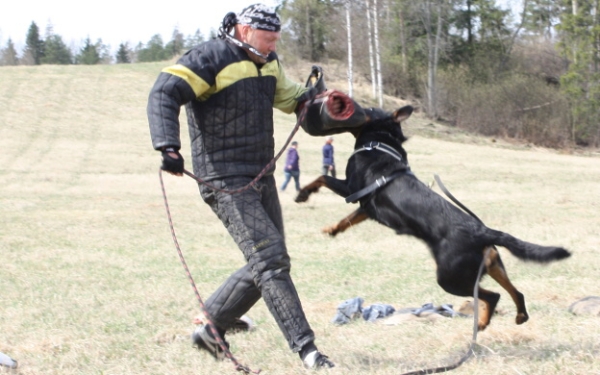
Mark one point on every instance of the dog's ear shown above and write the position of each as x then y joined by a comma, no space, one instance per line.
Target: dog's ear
403,113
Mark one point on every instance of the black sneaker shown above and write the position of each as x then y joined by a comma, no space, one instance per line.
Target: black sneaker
316,360
203,340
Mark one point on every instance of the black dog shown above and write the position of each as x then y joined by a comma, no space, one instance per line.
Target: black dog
378,176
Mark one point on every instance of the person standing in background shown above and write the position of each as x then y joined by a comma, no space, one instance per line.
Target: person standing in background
328,162
292,167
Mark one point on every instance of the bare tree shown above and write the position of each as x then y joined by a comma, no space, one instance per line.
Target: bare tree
432,19
370,42
348,5
377,54
8,55
403,53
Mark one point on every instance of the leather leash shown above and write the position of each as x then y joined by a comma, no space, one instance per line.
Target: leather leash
470,351
211,326
262,172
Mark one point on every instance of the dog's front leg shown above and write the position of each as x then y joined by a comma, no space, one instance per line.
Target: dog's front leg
337,186
354,218
307,190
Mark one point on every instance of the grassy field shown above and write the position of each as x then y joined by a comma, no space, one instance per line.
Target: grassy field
90,281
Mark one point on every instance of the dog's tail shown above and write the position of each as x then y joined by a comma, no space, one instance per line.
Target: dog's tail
529,251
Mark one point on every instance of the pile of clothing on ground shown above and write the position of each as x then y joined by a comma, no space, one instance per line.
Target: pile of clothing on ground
352,309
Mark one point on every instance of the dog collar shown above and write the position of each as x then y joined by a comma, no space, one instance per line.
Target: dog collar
380,147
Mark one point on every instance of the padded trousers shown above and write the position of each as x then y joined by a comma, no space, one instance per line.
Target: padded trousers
253,219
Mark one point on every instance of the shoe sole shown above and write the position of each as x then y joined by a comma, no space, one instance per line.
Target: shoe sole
214,350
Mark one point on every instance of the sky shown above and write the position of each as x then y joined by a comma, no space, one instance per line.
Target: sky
114,21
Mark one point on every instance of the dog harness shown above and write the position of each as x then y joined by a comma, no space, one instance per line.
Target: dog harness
383,180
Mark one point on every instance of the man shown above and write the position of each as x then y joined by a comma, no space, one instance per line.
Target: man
292,167
230,86
328,163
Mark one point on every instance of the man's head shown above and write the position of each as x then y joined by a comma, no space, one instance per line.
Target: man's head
329,139
259,27
260,17
294,144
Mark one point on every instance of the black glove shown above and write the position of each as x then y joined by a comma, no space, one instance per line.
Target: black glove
171,164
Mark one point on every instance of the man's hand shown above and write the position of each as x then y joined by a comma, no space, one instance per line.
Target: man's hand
172,161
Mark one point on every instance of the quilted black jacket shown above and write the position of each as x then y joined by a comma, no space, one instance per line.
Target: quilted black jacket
229,103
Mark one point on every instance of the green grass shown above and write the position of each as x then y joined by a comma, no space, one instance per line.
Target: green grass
91,283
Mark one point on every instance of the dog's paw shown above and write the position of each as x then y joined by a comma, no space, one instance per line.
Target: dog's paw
521,318
303,195
332,230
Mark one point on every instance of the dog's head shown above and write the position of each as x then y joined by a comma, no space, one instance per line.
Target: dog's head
380,121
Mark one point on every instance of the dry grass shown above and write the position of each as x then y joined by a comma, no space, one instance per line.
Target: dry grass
91,283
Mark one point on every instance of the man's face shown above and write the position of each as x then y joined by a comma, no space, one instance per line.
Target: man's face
264,41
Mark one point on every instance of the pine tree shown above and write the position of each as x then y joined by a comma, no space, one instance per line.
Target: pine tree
541,16
56,52
123,54
34,48
310,26
88,55
8,55
154,51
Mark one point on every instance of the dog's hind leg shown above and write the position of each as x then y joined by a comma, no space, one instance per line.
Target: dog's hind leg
354,218
496,270
460,280
486,309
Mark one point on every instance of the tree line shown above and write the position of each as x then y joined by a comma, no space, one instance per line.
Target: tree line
51,49
530,72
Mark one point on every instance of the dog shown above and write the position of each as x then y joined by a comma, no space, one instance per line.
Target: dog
378,176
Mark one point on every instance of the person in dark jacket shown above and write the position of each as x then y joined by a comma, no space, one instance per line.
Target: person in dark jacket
328,162
292,167
229,87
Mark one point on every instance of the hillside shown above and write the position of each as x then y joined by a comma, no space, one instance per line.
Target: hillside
419,124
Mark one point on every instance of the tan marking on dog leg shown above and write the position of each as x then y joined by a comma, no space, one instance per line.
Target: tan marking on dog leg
488,300
496,270
354,218
309,189
484,314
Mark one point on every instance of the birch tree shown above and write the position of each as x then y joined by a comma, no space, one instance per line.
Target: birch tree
348,6
370,42
34,47
432,19
377,54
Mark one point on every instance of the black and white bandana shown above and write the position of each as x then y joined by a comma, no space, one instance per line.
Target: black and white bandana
261,17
